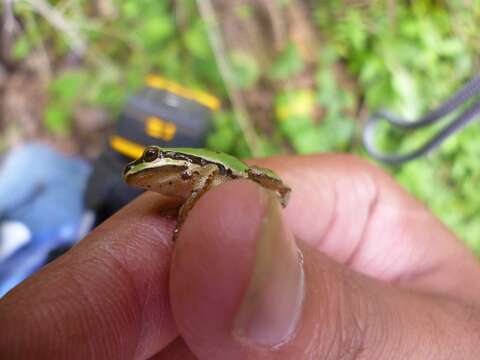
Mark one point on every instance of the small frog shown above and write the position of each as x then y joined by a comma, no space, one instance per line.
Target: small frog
188,173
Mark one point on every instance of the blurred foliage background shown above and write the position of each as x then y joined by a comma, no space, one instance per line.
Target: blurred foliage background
294,76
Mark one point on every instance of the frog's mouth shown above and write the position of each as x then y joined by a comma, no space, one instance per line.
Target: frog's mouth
166,180
151,175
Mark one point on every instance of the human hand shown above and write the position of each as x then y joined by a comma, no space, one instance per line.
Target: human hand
378,278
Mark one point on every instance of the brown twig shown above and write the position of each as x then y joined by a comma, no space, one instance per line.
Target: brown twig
239,108
57,20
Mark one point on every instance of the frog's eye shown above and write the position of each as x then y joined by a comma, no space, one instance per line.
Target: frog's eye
150,154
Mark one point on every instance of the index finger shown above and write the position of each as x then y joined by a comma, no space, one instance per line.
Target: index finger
106,298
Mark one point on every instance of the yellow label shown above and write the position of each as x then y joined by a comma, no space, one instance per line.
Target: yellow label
160,129
126,147
205,99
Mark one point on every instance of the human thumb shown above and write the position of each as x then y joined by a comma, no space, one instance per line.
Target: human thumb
241,288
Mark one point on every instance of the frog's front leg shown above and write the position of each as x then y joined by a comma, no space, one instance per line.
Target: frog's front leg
204,179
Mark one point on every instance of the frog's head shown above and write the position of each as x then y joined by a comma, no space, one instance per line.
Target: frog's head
147,159
156,170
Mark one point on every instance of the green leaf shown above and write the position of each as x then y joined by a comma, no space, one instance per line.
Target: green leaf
224,133
196,40
57,119
157,30
245,69
242,149
131,8
337,131
66,87
288,63
221,140
406,89
308,142
296,124
21,47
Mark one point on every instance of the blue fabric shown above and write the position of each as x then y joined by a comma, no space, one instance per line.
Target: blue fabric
44,190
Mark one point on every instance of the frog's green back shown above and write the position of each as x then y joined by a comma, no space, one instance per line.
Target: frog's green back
226,160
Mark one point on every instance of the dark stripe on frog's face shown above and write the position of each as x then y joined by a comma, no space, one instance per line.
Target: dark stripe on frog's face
149,154
152,153
132,164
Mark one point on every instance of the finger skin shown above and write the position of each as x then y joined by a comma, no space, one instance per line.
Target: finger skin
107,298
176,350
358,215
346,314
